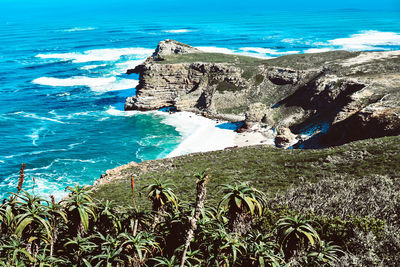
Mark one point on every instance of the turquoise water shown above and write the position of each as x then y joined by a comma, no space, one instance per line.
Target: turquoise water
62,81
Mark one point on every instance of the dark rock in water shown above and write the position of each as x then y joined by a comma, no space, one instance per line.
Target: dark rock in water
355,93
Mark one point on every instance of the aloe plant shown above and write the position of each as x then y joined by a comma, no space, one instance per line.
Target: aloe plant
294,233
244,202
326,253
80,208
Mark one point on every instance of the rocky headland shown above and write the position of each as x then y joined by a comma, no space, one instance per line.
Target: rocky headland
304,100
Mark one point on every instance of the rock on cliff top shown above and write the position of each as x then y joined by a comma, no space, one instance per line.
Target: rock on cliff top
171,47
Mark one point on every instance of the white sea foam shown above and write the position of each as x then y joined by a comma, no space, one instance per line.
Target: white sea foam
257,52
111,54
78,29
223,50
90,67
35,116
35,135
177,31
63,94
290,40
261,50
367,40
317,50
199,134
117,112
214,49
70,147
122,67
100,85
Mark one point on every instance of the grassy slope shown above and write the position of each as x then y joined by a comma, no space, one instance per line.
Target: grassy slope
269,169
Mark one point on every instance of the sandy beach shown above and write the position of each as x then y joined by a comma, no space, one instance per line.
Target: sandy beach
200,134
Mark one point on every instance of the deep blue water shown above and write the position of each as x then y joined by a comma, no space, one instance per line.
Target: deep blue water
62,81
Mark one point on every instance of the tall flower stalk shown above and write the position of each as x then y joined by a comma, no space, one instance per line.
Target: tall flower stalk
200,199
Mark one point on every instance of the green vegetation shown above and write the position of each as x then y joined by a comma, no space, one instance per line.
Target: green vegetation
234,110
81,232
227,86
269,169
259,78
298,61
211,58
336,206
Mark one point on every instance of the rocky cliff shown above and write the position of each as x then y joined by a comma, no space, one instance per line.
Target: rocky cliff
324,99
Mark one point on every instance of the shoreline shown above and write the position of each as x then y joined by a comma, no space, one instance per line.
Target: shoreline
210,134
199,134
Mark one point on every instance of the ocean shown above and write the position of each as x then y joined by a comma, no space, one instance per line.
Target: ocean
63,82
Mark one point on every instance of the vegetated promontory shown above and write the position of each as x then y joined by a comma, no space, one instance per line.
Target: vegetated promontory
324,99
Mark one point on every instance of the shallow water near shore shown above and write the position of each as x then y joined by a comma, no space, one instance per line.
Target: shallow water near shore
63,87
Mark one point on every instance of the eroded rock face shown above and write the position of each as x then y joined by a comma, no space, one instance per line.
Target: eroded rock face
331,98
376,120
188,87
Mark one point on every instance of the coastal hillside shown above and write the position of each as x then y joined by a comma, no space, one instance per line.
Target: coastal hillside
269,169
324,99
350,192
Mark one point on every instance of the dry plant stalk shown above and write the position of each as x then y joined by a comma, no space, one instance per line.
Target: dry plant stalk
200,198
21,178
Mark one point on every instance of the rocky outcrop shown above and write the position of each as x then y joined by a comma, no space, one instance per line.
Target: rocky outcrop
284,138
171,47
327,98
255,114
189,87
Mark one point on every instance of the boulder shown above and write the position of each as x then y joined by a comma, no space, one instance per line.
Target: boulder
255,113
171,47
284,138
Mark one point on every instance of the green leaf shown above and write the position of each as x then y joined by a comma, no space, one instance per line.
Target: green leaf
22,225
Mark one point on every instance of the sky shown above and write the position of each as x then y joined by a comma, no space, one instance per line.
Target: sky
35,10
203,5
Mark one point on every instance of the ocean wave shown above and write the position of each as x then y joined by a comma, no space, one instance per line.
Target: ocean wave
90,67
214,49
223,50
257,52
367,40
269,51
63,94
100,85
35,116
178,31
70,147
110,54
116,112
317,50
120,68
46,184
79,29
76,114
